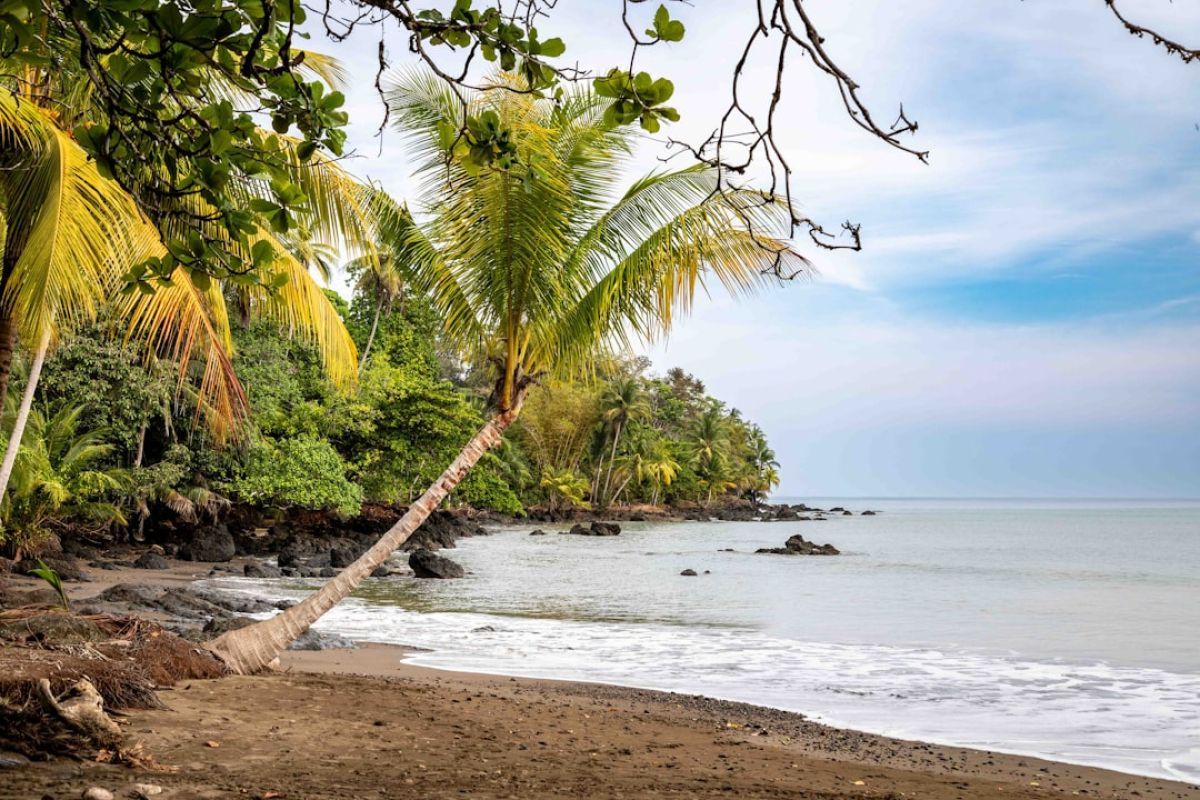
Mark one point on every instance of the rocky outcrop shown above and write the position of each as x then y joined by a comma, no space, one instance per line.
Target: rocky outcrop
596,529
798,545
209,543
427,564
688,573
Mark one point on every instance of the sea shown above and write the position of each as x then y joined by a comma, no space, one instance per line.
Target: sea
1065,629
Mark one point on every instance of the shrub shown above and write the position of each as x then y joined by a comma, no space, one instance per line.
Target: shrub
302,471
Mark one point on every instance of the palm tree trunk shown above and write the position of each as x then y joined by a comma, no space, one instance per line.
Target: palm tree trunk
18,431
362,360
253,648
612,459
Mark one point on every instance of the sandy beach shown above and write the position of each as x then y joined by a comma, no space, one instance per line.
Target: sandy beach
362,723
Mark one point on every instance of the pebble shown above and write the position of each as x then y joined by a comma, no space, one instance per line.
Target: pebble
146,790
96,793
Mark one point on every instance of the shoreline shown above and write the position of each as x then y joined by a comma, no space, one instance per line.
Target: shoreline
927,769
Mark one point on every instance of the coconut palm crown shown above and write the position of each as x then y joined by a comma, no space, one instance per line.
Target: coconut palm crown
540,266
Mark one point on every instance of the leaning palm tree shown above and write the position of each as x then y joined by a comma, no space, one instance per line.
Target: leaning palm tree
535,267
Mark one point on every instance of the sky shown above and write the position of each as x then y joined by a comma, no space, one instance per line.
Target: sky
1024,317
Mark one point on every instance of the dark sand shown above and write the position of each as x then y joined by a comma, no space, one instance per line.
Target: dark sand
360,723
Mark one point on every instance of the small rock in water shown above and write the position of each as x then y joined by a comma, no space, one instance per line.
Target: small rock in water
690,573
427,564
96,793
538,532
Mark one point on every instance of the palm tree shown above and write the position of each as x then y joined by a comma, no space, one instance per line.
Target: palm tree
69,234
38,107
763,462
710,441
385,272
563,488
532,267
623,401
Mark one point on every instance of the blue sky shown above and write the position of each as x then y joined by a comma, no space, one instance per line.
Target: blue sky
1025,316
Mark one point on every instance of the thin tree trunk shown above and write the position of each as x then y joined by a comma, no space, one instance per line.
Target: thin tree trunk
18,431
612,459
362,360
253,648
141,448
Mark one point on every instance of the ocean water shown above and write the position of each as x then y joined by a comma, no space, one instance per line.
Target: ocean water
1069,630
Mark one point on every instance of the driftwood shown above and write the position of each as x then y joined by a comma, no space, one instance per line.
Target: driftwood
82,708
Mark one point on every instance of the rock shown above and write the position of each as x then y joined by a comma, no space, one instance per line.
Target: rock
869,513
837,510
6,566
847,513
157,549
341,557
219,625
144,790
726,550
327,572
290,572
798,545
96,793
596,529
151,560
8,759
259,569
104,565
290,555
426,564
67,568
538,532
315,640
690,573
209,543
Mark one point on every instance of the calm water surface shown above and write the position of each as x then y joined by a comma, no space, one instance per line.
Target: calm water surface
1064,629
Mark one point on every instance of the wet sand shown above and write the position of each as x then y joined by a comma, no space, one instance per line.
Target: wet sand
349,724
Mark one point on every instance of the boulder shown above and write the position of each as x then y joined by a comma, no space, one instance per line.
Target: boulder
341,556
538,532
869,513
688,573
427,564
151,560
847,513
596,529
261,569
209,543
